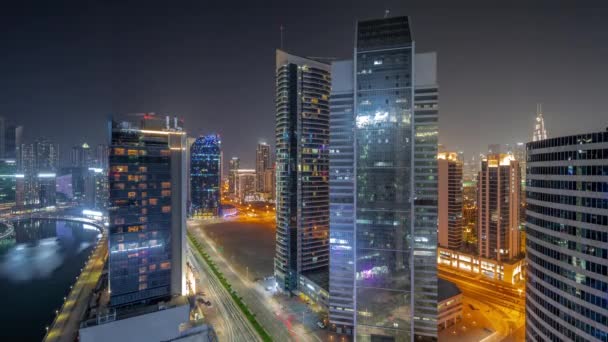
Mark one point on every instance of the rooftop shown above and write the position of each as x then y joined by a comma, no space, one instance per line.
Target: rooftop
446,290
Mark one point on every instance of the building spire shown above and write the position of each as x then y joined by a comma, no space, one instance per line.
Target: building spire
540,133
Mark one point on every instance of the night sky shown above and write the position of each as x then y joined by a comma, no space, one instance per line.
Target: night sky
67,67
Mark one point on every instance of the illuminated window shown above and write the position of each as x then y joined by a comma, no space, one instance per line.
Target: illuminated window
142,269
153,201
165,265
144,202
132,194
143,219
117,177
121,246
165,193
119,220
132,152
165,185
143,169
143,278
143,286
142,185
166,209
165,153
144,194
143,152
119,151
133,229
152,267
120,168
132,178
144,211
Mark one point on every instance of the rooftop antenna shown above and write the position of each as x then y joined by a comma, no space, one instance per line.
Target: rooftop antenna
386,13
282,28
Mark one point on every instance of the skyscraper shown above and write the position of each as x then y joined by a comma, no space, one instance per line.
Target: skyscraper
8,170
450,200
147,213
205,174
262,162
302,165
391,246
540,133
232,175
10,139
567,236
81,156
245,183
499,187
341,198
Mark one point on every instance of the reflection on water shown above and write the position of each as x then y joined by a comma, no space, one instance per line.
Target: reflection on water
37,268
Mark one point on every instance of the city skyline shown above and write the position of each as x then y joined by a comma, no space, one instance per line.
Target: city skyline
91,70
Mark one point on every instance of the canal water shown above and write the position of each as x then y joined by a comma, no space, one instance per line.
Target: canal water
38,264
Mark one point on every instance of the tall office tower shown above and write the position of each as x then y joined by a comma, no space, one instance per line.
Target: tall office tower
270,183
10,139
342,198
205,171
96,188
567,235
540,133
147,210
81,156
302,165
396,188
101,156
46,157
426,131
26,178
233,167
498,205
262,162
450,200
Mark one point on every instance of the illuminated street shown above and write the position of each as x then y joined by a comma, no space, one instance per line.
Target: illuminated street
280,316
500,303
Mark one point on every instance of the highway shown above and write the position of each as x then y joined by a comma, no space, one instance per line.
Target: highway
225,316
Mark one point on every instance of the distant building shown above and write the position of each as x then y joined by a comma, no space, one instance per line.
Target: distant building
499,188
567,238
205,176
81,156
234,165
263,161
147,210
101,157
8,183
540,132
449,303
509,271
302,169
245,183
96,188
450,200
10,139
270,183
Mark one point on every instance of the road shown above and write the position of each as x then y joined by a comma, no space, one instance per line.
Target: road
225,316
504,304
277,319
66,324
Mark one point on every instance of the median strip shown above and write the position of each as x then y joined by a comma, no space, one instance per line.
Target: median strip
238,300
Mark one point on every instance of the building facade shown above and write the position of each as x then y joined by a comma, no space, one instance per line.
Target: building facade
498,203
341,199
205,176
567,238
245,183
8,183
147,210
450,201
234,165
302,166
263,161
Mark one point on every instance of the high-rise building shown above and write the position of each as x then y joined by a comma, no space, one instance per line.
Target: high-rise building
101,156
96,188
450,200
10,139
567,238
81,156
302,165
393,234
263,161
540,132
270,183
147,210
8,185
205,176
498,205
26,178
234,165
342,198
47,157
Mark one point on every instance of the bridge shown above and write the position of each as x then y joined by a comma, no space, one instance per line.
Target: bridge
39,216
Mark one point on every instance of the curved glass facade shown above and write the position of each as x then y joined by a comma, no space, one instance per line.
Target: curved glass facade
205,173
567,238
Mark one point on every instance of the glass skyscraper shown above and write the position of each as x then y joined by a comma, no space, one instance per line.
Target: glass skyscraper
302,167
205,176
392,290
567,238
147,210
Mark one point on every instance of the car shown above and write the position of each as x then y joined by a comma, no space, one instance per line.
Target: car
321,325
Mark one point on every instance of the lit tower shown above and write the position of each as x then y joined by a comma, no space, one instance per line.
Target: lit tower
540,133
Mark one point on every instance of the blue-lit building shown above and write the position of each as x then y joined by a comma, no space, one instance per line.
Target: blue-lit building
567,238
205,176
147,210
383,193
8,170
